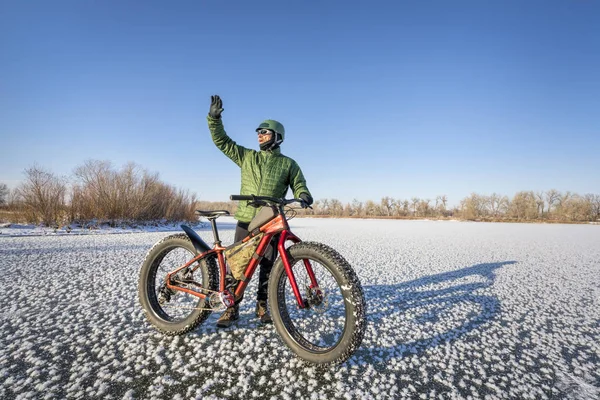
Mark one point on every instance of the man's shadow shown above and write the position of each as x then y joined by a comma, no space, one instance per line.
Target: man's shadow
411,317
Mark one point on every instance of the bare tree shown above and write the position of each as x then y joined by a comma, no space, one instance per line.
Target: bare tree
562,205
424,208
415,202
552,198
405,207
3,194
524,206
540,202
43,196
95,189
497,204
576,208
322,206
348,211
444,199
397,208
371,209
493,204
386,205
132,193
473,207
440,204
337,209
357,208
594,201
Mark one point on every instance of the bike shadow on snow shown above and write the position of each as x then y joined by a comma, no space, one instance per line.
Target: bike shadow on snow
410,317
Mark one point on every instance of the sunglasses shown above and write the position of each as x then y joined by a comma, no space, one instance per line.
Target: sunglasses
264,132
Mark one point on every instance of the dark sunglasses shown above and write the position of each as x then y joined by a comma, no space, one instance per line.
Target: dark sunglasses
264,132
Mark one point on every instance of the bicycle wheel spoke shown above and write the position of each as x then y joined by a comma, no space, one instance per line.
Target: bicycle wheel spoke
172,311
322,324
176,305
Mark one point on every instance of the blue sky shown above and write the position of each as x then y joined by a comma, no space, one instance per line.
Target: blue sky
401,98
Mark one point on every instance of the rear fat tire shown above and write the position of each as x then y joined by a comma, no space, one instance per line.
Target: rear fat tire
147,293
353,297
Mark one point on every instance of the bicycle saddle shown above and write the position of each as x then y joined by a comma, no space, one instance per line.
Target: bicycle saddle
214,213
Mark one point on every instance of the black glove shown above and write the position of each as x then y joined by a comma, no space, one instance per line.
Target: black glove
216,107
306,200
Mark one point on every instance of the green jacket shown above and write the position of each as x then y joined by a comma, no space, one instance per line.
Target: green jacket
264,173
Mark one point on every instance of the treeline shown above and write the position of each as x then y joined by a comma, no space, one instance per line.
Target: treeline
96,192
550,205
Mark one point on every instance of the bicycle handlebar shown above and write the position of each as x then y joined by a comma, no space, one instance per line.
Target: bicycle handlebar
273,200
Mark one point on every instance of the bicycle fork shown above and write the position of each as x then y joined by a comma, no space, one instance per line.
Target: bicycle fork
302,303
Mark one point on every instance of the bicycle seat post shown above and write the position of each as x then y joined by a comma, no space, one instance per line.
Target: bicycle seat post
213,223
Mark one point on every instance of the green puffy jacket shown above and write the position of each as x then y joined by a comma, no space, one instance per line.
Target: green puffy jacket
264,173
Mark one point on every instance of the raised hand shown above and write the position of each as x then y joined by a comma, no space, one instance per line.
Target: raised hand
216,107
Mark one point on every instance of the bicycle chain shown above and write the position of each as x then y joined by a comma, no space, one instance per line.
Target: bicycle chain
210,300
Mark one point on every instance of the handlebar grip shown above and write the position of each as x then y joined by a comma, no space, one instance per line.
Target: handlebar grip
236,197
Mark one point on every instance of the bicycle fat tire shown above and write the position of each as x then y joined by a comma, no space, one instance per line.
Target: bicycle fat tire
147,292
346,286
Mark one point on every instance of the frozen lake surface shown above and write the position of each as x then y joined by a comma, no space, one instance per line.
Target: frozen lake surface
455,310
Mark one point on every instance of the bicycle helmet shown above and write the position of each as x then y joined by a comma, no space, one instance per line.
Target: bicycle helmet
276,127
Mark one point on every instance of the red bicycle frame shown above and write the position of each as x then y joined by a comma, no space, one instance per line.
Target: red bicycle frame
278,225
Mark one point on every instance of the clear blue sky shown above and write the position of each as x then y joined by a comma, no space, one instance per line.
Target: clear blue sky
399,98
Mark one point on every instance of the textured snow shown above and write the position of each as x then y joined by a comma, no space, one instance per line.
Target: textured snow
11,230
455,310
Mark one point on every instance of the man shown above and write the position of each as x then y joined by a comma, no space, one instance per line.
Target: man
264,173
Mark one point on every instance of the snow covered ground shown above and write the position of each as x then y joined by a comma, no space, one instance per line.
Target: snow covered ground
455,310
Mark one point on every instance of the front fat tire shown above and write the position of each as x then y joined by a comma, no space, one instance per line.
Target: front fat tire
148,300
351,289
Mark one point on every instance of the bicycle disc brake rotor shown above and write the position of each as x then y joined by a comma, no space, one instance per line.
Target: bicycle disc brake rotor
317,299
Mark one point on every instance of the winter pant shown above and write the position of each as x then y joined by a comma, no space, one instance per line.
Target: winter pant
266,264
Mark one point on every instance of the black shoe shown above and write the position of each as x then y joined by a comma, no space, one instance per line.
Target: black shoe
227,318
262,312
